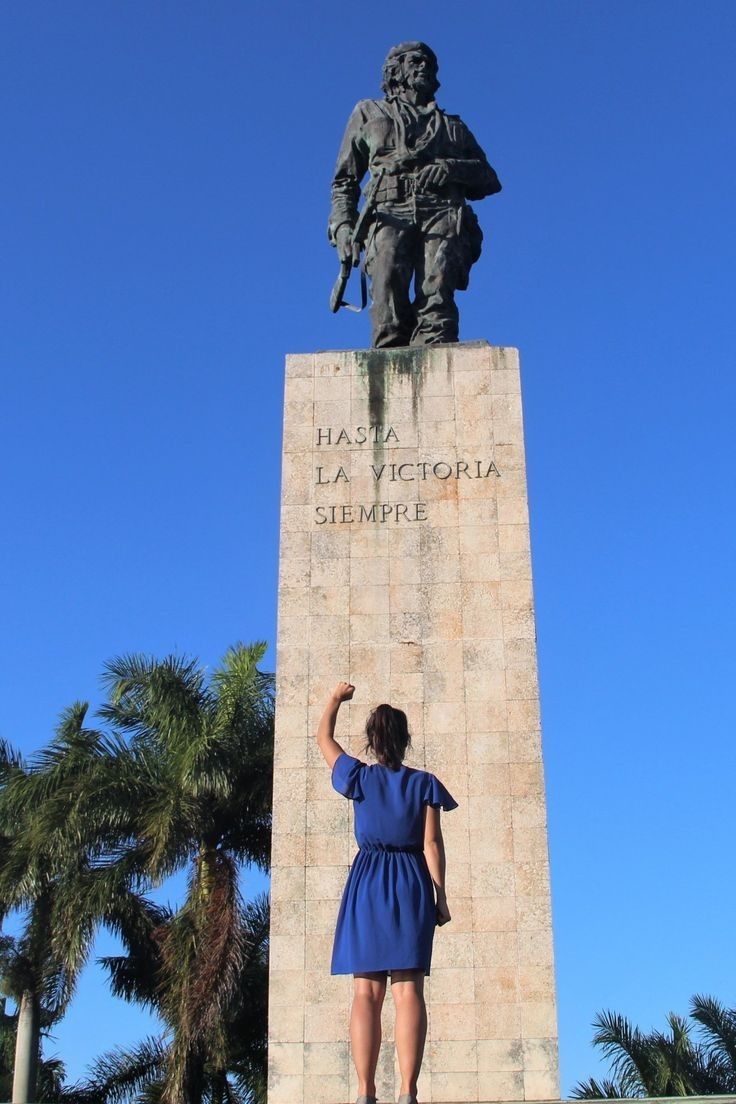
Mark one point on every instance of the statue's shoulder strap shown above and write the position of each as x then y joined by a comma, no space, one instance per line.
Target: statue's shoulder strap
459,130
455,121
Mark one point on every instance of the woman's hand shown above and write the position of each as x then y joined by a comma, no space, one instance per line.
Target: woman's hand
343,692
443,912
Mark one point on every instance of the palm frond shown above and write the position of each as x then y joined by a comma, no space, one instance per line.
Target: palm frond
597,1090
250,1082
122,1074
10,760
626,1049
718,1025
676,1058
162,700
257,922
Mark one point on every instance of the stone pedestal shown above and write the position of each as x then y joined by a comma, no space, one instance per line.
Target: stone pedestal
405,569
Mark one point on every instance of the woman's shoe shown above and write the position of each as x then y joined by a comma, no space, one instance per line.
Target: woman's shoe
366,1100
407,1098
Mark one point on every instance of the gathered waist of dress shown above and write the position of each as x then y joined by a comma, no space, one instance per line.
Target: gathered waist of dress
416,850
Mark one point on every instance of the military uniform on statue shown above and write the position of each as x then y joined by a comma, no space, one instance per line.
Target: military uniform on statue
424,166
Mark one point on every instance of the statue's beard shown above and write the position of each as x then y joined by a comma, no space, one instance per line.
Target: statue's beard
419,82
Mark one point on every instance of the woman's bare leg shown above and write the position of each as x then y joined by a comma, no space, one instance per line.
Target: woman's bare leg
365,1028
407,989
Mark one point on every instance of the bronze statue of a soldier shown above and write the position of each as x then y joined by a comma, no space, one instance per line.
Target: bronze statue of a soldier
415,222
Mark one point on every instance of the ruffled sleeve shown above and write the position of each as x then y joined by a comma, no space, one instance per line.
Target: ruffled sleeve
346,772
437,795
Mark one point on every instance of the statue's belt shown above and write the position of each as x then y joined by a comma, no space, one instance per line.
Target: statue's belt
397,189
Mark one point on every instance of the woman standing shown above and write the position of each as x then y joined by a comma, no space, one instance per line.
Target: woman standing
395,893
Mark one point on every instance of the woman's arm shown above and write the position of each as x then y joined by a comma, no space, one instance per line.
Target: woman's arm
326,741
434,853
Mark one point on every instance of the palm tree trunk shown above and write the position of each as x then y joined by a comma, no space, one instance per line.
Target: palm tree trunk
219,1083
194,1080
25,1073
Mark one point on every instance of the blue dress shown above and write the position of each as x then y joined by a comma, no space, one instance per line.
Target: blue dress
387,914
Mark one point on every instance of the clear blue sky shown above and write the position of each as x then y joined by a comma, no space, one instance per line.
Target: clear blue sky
164,190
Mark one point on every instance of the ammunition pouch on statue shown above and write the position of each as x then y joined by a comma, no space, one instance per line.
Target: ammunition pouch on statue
470,238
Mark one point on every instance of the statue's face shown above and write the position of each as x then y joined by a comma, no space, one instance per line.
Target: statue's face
419,72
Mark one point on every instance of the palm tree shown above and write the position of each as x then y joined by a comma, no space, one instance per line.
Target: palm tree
190,788
669,1063
139,1073
50,1072
39,983
182,782
7,1040
54,873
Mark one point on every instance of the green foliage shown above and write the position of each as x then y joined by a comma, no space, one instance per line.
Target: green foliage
236,1071
666,1063
180,779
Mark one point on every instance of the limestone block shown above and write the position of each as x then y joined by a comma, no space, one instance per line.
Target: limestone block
318,955
492,779
286,1058
500,1056
452,1022
462,913
286,1021
323,1088
532,913
485,748
540,1054
538,1019
287,916
506,1085
455,1086
287,951
284,1088
325,1023
453,984
287,883
536,983
325,883
494,913
497,1021
525,747
493,879
330,1058
496,984
491,844
541,1085
453,1057
286,986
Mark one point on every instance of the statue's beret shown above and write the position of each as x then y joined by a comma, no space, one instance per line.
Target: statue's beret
408,47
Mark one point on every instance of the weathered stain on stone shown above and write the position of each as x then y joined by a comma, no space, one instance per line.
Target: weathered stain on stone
378,365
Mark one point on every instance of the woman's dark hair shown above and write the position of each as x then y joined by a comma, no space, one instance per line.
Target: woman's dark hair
387,733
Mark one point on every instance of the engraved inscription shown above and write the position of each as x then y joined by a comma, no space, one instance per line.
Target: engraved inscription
389,471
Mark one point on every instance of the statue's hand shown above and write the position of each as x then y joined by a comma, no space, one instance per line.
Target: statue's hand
432,177
344,242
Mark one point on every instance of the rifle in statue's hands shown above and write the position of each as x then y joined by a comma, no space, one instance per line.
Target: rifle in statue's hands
352,260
